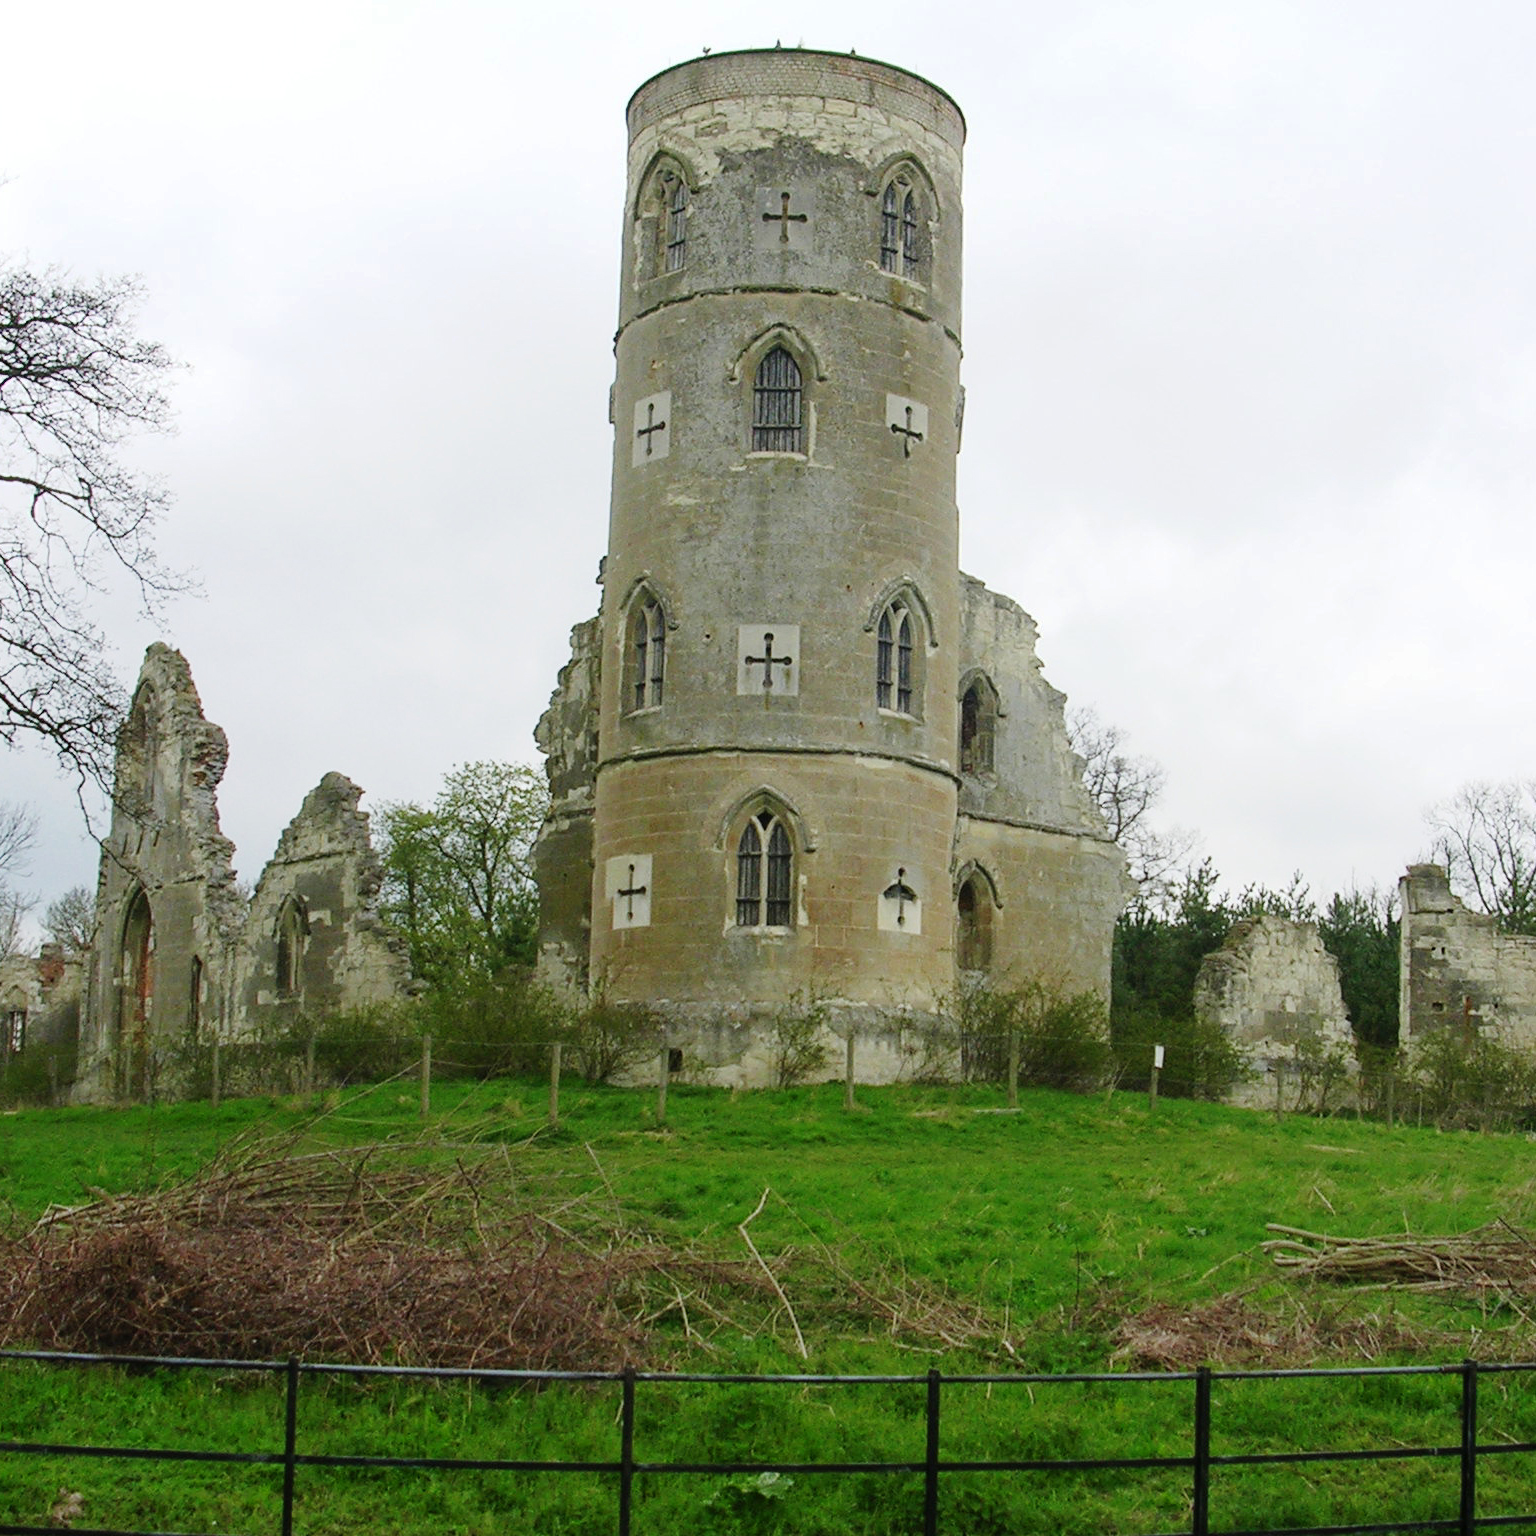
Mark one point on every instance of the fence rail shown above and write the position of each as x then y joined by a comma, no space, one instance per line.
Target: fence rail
626,1467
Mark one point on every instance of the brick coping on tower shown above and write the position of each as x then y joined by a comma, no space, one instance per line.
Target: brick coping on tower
790,72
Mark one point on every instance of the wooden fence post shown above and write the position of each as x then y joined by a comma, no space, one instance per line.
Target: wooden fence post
426,1076
53,1077
663,1072
213,1088
1157,1067
1013,1069
554,1086
848,1070
309,1061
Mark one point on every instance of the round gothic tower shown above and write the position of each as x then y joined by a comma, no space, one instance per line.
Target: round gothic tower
778,652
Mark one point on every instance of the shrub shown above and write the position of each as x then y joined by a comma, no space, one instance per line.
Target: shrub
1062,1038
608,1039
1472,1081
487,1026
1200,1061
367,1043
797,1047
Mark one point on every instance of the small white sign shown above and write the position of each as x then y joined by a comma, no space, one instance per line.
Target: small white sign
653,429
1157,1057
768,660
627,885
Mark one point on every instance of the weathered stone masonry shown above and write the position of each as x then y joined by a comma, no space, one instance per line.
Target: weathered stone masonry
797,753
180,956
1458,970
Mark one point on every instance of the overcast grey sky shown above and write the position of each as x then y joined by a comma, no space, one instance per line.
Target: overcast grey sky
1249,364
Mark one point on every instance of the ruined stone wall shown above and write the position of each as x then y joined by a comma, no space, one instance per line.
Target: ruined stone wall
1272,988
179,956
313,941
167,909
1054,881
562,855
1458,969
45,989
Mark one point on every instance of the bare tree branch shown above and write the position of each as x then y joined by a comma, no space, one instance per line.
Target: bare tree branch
1485,835
18,832
75,383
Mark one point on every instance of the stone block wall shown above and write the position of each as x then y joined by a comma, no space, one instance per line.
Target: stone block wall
1271,987
1458,970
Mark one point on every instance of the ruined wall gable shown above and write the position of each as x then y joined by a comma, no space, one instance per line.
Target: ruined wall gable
1036,778
1458,968
313,939
567,730
1272,987
167,874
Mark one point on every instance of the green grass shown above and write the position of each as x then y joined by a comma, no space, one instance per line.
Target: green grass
1060,1220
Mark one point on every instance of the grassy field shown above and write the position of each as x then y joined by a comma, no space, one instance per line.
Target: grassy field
1060,1225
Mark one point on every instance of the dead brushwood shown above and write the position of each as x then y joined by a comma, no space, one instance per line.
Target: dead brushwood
418,1253
1235,1331
1496,1258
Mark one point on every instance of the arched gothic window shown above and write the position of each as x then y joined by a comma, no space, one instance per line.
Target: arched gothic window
292,930
648,653
893,660
765,872
899,228
777,406
978,727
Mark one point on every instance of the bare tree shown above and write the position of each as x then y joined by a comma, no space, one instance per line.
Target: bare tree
18,831
1125,789
75,382
71,919
1485,835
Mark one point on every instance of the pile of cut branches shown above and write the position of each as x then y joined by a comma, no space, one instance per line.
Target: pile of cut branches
1496,1258
424,1254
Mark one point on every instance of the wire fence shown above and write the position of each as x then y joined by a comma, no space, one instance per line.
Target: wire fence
628,1470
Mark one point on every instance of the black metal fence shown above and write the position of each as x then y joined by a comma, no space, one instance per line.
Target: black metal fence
626,1468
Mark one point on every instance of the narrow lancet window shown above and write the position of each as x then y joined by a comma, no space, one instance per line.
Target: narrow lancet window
909,235
894,671
777,425
677,222
890,229
648,629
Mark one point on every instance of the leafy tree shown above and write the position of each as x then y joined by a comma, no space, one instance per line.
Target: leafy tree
458,876
1159,946
71,919
1485,835
75,382
1360,930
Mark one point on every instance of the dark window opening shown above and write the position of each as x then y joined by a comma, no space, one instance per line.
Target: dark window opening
973,927
777,425
893,660
978,728
649,636
675,190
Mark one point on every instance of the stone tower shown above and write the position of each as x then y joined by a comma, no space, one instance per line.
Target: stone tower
768,750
